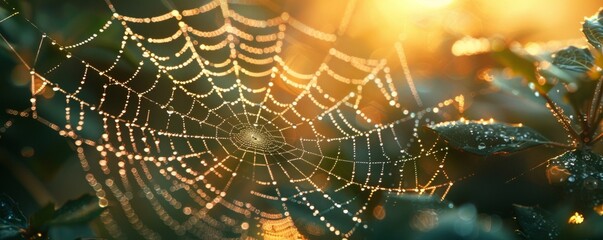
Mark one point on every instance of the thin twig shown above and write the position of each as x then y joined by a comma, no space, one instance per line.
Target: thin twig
597,138
567,125
556,144
598,120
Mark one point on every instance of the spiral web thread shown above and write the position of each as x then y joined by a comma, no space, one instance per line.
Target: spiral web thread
211,131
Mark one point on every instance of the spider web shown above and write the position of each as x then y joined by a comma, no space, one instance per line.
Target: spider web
208,123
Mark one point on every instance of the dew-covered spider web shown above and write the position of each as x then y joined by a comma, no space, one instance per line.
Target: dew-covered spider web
205,119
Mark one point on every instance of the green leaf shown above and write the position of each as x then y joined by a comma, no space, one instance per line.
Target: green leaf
486,138
574,59
521,65
593,30
535,223
584,178
10,214
8,231
81,210
573,65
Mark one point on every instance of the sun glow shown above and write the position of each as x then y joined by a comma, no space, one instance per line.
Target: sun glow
433,3
577,218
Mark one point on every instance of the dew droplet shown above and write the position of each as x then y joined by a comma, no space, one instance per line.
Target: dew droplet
481,146
170,110
571,179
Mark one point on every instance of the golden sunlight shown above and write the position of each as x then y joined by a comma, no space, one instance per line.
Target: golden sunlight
577,218
313,119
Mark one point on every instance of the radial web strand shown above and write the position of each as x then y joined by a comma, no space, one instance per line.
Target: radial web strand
201,120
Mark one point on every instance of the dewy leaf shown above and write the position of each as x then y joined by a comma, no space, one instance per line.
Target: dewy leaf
488,137
574,59
12,219
536,223
81,210
8,231
593,30
584,175
573,65
10,214
570,65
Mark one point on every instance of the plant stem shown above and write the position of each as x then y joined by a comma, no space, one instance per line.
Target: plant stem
597,138
561,145
560,117
593,117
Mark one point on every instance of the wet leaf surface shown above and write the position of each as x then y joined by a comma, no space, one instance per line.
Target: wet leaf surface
10,214
8,232
535,223
574,66
574,59
593,30
12,219
583,176
486,138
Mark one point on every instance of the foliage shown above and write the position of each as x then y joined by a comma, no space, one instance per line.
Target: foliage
578,170
14,225
12,220
535,223
485,138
